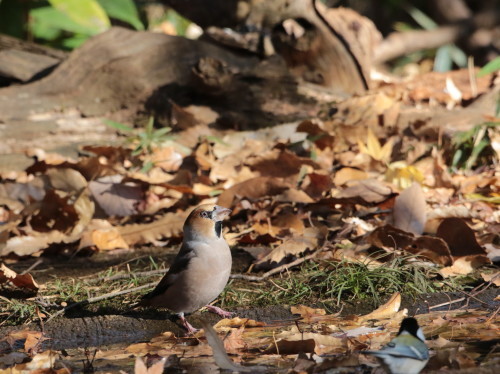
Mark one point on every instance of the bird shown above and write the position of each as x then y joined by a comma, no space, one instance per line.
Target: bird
407,353
201,269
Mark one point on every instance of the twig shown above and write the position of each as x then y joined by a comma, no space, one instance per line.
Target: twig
493,315
469,296
279,269
99,298
35,264
447,303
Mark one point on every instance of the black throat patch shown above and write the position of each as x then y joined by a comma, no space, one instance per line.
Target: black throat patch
218,228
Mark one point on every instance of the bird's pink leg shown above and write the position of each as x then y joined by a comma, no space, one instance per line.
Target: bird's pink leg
221,312
190,329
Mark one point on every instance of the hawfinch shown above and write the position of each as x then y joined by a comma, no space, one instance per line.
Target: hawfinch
407,352
200,270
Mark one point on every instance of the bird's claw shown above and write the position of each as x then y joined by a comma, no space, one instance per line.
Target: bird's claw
190,329
221,312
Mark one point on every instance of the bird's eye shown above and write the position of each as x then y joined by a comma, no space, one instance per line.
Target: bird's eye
204,214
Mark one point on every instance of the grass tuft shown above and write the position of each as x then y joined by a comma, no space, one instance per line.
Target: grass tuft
327,282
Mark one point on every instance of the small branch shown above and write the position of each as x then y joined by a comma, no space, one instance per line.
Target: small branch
102,297
279,269
35,264
447,303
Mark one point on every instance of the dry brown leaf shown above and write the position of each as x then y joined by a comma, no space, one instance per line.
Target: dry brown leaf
307,312
54,212
294,246
459,237
286,347
168,226
464,265
223,324
280,163
366,192
235,342
253,189
322,343
493,278
66,179
13,336
409,210
167,158
42,363
156,368
18,280
345,175
317,184
115,197
391,239
388,310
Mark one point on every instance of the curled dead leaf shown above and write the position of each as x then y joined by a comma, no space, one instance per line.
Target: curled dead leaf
388,310
18,280
237,322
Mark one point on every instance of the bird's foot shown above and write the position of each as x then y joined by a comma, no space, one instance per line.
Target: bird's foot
190,329
221,312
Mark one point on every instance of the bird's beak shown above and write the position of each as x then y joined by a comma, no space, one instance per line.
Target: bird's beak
220,213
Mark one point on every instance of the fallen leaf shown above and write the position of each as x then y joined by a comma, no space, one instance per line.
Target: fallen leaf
66,179
391,239
220,354
345,175
166,158
366,192
385,311
237,322
374,149
280,163
115,197
18,280
253,189
287,347
459,237
494,278
294,246
464,265
156,368
170,225
409,210
306,312
322,343
235,342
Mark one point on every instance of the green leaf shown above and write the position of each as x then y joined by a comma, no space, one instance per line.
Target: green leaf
423,20
86,13
490,67
123,10
47,23
118,125
161,132
443,61
75,41
458,56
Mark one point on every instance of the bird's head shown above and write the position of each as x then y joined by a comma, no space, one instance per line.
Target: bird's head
410,326
205,221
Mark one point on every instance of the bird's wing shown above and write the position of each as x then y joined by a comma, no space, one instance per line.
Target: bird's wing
179,265
416,350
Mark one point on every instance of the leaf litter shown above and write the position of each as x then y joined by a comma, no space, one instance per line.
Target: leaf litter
375,176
